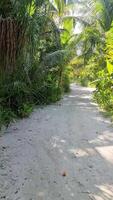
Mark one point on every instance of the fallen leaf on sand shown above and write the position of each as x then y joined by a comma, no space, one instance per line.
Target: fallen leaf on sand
64,173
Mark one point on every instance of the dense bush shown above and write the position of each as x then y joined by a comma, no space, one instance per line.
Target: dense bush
104,91
18,96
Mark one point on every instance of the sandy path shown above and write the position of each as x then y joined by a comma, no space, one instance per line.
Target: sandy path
70,136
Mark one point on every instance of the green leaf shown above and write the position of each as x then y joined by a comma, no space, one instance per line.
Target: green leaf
109,67
68,28
68,24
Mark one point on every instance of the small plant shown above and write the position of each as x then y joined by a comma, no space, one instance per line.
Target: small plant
6,116
25,110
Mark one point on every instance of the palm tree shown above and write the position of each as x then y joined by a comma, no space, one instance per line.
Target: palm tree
64,25
102,12
15,18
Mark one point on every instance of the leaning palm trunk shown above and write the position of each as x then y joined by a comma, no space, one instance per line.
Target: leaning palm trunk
11,41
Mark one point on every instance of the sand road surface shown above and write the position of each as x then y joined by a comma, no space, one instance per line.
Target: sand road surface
63,151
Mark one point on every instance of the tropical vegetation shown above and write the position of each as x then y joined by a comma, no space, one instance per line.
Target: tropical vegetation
41,52
95,64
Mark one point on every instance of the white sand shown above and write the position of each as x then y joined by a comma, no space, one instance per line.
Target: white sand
70,137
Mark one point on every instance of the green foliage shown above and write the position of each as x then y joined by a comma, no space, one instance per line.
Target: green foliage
18,94
104,84
104,11
25,110
47,50
104,90
66,83
6,116
37,78
97,52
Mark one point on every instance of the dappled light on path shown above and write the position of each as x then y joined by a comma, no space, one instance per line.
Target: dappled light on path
106,192
82,152
106,152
